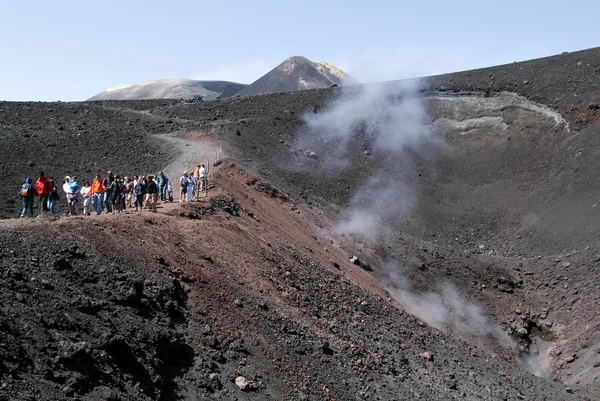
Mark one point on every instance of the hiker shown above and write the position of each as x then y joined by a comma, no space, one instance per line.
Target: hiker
183,181
107,185
115,190
162,181
151,194
129,192
28,193
85,195
170,191
190,187
123,189
97,192
138,194
43,187
53,197
203,178
67,190
73,196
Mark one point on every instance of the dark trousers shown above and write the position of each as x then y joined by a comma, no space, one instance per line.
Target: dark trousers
138,201
44,203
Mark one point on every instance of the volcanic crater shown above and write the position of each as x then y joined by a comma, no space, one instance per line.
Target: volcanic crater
432,239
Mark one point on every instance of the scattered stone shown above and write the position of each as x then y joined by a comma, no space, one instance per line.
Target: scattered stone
451,384
427,356
326,348
522,331
242,383
311,154
238,303
62,264
594,106
355,260
565,264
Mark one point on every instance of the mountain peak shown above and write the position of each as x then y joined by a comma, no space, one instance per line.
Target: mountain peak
297,73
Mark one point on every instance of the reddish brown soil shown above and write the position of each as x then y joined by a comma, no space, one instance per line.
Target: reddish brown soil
178,304
262,300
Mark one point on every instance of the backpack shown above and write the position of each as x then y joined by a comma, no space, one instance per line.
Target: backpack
184,182
54,195
25,190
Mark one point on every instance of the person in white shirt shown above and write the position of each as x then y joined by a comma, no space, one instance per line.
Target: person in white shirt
203,178
85,195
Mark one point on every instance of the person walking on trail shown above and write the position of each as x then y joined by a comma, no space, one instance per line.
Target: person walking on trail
115,189
53,197
43,186
73,196
151,194
190,187
97,193
28,194
85,195
203,178
67,190
129,192
138,194
108,194
162,182
183,182
170,191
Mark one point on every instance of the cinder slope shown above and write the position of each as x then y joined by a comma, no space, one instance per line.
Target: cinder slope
180,304
298,73
506,209
172,88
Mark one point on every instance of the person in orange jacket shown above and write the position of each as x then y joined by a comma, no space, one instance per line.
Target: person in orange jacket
97,192
43,187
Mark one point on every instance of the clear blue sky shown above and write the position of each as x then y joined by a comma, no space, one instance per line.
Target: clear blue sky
71,50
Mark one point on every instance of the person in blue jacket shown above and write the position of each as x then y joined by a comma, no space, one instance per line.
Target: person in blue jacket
28,193
72,196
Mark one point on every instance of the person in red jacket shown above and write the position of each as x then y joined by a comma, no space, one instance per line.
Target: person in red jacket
43,186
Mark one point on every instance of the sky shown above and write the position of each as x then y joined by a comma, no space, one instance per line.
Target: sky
71,50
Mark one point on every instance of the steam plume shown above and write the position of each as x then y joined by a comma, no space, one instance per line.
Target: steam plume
391,121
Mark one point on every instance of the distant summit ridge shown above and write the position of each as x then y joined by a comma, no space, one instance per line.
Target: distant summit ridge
297,73
172,88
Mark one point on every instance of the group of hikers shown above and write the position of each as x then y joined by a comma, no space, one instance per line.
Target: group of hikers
111,193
